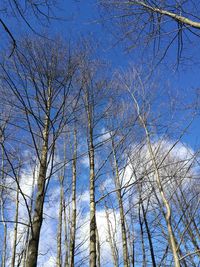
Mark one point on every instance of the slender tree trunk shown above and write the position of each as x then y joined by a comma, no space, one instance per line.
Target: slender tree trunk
4,248
32,252
148,234
92,202
110,238
73,222
121,209
164,257
171,235
131,233
149,237
167,206
28,230
131,246
93,256
59,232
144,263
98,249
15,229
66,237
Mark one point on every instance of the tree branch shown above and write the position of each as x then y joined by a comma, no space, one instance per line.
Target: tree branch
172,15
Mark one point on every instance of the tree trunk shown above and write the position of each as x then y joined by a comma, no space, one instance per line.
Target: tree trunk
148,233
121,209
93,255
59,232
167,206
3,260
3,256
32,252
66,237
171,236
144,263
110,238
149,236
28,230
131,245
73,222
98,249
92,205
15,229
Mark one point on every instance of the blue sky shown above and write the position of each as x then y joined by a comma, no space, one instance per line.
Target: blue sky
81,18
185,79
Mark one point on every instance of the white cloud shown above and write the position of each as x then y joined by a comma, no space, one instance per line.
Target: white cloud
51,262
141,163
85,196
104,135
83,234
85,161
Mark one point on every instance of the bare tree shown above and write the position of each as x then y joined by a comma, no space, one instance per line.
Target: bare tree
111,237
27,12
16,223
64,111
134,85
3,219
74,209
43,97
89,106
121,206
60,218
157,24
159,182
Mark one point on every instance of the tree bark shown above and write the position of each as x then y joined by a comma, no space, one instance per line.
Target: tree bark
144,262
28,230
171,236
59,232
110,238
98,249
32,252
93,256
175,17
92,202
15,229
73,222
3,256
66,236
121,208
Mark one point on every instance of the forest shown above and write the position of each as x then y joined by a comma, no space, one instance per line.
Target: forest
99,133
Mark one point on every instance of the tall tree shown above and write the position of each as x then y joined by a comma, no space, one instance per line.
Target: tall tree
40,79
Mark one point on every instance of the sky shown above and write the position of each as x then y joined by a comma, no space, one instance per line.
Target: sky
81,18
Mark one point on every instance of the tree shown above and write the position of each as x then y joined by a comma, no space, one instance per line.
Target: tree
137,89
94,168
74,203
27,12
121,206
94,94
40,79
160,22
